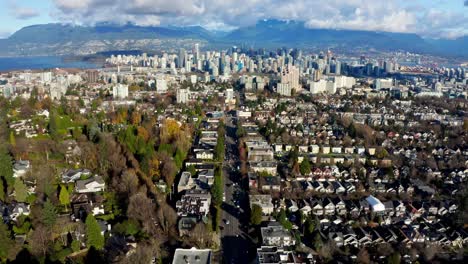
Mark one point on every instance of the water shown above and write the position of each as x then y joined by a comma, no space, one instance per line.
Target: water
44,62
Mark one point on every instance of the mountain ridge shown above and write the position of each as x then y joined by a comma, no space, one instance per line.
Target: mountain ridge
60,39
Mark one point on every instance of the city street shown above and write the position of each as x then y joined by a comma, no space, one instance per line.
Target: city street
235,243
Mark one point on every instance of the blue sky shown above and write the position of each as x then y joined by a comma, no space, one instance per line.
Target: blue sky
430,18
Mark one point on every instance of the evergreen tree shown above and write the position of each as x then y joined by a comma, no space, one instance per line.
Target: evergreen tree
93,233
21,191
53,130
49,214
305,166
5,241
6,167
2,190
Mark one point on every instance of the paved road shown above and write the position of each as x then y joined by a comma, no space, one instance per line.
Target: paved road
237,247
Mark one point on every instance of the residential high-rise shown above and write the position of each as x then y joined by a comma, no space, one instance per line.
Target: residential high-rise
92,76
120,91
290,75
229,95
161,85
182,96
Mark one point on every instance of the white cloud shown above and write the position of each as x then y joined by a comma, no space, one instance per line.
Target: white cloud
21,12
377,15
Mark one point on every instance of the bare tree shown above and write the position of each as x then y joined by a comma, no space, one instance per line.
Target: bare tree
142,209
167,217
39,240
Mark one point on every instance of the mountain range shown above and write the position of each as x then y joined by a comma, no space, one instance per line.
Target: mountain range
62,39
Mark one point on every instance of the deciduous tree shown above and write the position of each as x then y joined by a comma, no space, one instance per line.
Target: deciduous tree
256,215
21,191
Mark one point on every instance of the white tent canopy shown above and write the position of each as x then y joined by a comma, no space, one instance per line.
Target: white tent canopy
376,204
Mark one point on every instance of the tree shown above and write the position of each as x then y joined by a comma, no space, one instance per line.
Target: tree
39,240
21,191
169,170
318,243
154,165
256,215
394,258
5,241
142,209
305,166
6,166
53,129
75,245
12,139
49,214
64,197
310,225
93,233
2,190
283,220
363,256
217,189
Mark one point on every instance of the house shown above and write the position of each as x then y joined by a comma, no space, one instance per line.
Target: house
186,182
20,168
74,175
317,207
193,255
204,154
349,238
83,204
186,225
18,210
264,201
340,206
337,238
91,185
362,237
270,255
339,189
194,203
291,205
314,149
253,178
269,167
336,150
205,178
353,208
276,235
272,183
328,206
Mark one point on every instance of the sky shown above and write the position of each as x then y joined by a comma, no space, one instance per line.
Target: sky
428,18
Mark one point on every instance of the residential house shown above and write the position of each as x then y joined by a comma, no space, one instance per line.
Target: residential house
264,201
91,185
276,235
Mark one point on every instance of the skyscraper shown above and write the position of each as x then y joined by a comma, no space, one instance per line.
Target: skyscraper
196,52
181,58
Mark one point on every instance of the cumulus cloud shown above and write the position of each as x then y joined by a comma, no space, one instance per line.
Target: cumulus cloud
25,13
377,15
20,12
